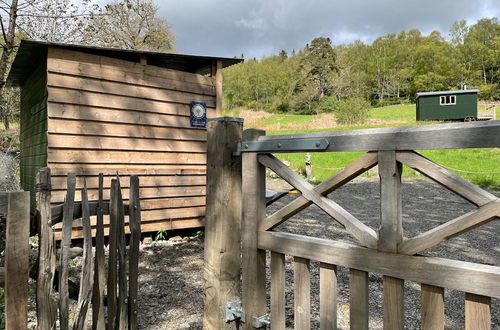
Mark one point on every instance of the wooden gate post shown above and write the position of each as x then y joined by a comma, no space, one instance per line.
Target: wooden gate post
17,260
254,211
391,234
222,221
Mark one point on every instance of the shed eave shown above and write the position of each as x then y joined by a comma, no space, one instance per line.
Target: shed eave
461,91
30,52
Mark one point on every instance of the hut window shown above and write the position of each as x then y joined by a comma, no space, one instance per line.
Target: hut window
448,100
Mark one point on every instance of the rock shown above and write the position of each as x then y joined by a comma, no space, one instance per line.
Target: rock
147,240
175,239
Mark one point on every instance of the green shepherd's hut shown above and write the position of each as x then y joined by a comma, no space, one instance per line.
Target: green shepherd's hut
447,105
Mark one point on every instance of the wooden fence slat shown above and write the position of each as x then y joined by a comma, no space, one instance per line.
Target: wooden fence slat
135,239
17,260
112,263
278,291
46,305
477,312
302,296
358,299
328,296
432,312
98,321
64,255
254,212
86,281
122,265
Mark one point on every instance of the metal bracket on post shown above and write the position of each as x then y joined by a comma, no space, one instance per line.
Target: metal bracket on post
261,321
290,145
234,312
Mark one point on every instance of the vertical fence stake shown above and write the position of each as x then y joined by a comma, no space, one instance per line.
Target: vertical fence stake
45,304
17,260
222,220
391,234
135,239
254,211
113,246
99,271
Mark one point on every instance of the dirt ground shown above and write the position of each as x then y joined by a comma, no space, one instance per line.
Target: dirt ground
171,272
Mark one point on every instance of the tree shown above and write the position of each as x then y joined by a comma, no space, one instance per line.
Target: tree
131,24
318,63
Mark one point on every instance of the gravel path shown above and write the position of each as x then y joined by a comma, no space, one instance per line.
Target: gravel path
171,273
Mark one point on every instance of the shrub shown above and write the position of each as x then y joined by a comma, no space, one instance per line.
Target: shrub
328,104
352,111
490,92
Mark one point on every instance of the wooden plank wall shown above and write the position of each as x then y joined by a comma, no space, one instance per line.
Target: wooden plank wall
109,115
33,132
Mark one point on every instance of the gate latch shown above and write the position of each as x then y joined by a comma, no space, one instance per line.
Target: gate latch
261,321
234,312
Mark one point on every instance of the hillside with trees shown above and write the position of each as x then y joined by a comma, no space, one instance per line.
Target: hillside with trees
322,76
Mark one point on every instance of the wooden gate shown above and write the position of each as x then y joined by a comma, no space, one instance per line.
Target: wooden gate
386,251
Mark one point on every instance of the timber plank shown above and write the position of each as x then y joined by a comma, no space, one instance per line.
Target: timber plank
278,290
17,260
358,299
328,296
441,272
98,321
83,127
135,238
143,170
57,56
64,255
114,214
71,141
46,306
86,281
127,157
122,265
482,134
117,88
477,312
432,311
302,295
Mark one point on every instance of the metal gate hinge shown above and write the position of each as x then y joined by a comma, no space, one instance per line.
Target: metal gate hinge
289,145
234,312
261,321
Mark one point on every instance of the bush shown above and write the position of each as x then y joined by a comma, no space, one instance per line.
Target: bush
328,104
490,92
352,111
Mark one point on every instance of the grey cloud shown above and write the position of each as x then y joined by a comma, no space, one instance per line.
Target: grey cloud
257,28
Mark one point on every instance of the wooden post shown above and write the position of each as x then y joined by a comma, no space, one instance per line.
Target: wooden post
254,212
358,299
222,221
217,74
432,310
302,293
135,239
99,270
278,291
113,248
17,260
477,312
391,234
68,211
328,296
45,304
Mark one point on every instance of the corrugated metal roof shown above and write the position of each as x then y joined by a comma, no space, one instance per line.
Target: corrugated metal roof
462,91
31,52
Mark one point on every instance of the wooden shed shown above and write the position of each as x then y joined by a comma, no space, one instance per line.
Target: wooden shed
447,105
89,110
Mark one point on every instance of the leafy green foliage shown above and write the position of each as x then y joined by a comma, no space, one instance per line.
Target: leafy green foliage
390,70
352,111
161,235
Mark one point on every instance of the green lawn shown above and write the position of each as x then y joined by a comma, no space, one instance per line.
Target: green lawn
481,161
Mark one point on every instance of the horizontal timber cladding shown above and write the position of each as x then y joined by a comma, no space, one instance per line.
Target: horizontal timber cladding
112,116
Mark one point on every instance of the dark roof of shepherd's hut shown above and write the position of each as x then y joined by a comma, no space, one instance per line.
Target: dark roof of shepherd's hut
30,52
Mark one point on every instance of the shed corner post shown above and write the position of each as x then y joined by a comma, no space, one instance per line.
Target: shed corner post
217,75
254,212
222,220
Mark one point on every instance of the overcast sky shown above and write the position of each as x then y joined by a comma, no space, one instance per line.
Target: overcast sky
262,27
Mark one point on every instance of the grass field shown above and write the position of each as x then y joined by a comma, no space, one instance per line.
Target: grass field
484,163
